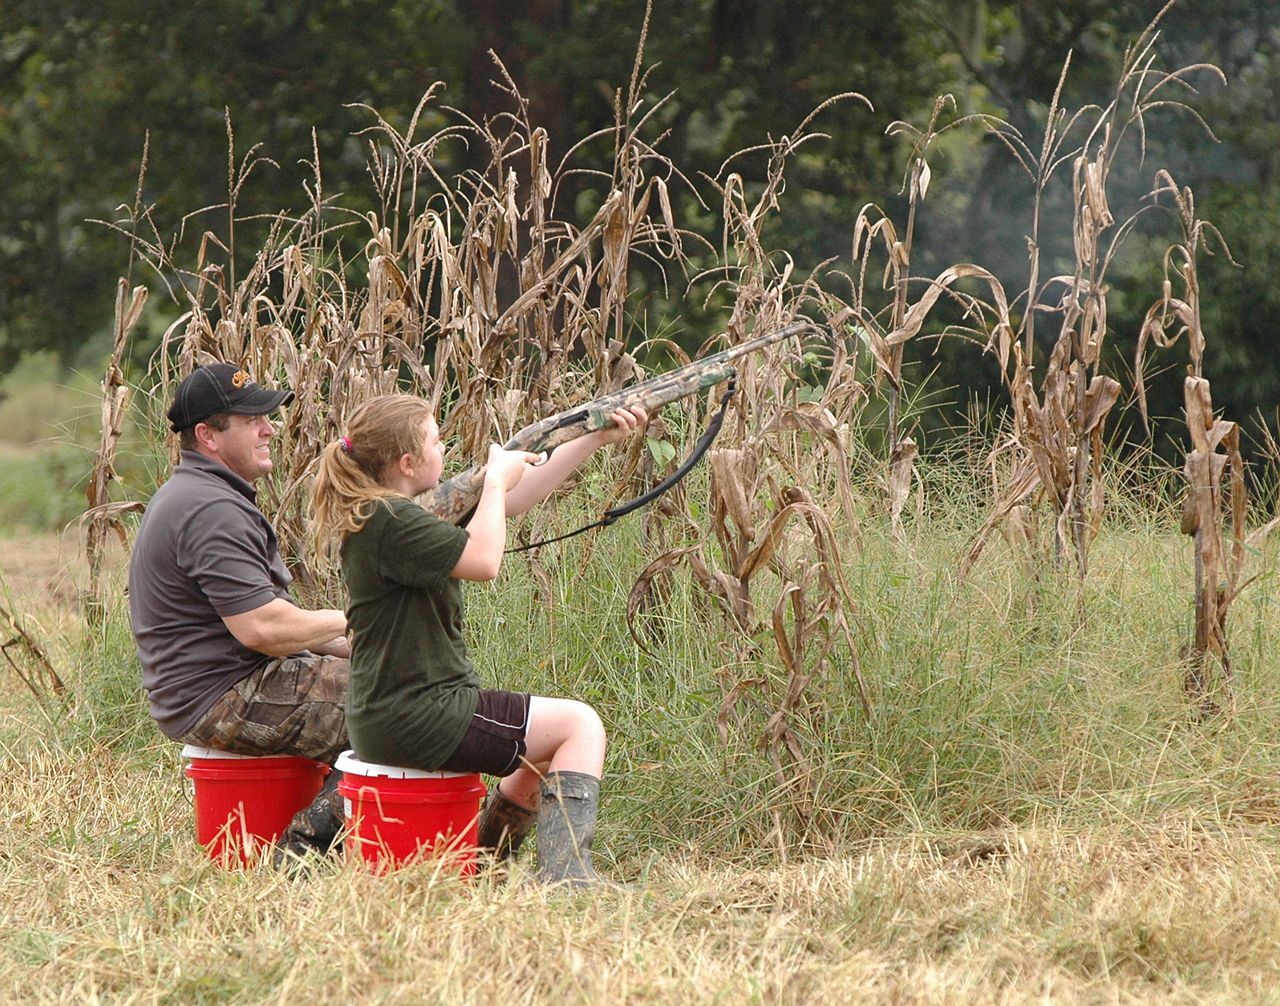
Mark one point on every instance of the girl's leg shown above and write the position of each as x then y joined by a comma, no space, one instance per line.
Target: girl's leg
564,736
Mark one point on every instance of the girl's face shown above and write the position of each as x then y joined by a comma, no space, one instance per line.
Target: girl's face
431,460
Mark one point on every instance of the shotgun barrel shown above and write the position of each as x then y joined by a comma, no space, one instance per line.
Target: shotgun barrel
454,498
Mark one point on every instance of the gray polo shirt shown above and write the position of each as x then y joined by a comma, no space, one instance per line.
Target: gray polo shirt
204,550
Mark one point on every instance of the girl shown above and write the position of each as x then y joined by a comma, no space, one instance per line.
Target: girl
414,698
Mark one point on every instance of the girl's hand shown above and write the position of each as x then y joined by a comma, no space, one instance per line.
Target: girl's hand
506,468
625,422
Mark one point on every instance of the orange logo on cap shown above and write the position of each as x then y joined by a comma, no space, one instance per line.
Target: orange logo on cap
240,379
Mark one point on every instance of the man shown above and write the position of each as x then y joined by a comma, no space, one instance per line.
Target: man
229,660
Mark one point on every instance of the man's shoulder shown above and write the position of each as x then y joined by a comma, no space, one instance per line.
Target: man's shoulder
193,507
190,489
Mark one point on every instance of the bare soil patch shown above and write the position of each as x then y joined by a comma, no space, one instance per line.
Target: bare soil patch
43,577
42,569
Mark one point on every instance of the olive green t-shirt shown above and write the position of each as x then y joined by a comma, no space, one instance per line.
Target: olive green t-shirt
413,687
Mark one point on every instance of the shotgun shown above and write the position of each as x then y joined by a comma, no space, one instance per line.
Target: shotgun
454,498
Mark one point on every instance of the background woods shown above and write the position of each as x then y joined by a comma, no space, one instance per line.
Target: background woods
82,84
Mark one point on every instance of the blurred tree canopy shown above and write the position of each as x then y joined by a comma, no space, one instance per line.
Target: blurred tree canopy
82,84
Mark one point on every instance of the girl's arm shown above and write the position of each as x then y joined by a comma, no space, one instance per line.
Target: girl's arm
487,529
540,482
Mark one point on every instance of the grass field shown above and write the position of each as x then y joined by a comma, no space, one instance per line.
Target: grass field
1032,814
1031,809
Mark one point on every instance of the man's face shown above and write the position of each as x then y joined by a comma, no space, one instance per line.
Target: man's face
244,446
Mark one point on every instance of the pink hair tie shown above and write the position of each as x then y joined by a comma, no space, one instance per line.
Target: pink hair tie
346,444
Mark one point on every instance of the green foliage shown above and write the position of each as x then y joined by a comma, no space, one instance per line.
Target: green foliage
1243,356
41,466
82,91
82,87
41,491
48,432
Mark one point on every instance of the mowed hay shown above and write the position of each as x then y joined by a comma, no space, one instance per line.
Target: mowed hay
1184,908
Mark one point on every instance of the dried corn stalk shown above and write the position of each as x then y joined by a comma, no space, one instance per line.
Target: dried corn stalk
898,266
809,619
1177,313
768,540
1217,565
102,515
1058,427
885,330
1213,469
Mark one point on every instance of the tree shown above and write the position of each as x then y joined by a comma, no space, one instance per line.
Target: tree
81,86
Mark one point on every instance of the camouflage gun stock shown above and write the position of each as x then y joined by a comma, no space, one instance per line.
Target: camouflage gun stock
454,498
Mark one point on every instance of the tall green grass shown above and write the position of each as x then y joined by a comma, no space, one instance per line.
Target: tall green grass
49,429
1005,698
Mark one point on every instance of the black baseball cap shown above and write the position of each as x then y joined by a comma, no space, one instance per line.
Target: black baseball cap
221,387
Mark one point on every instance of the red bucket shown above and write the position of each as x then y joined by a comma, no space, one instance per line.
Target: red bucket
398,814
243,802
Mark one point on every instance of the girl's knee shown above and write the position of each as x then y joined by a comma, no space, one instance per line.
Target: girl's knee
555,722
588,721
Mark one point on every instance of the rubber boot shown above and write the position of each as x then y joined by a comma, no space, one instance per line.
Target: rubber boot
503,825
566,829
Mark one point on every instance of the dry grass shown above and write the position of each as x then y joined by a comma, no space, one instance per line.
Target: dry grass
114,905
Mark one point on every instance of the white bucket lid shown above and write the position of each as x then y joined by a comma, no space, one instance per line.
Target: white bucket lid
349,763
193,751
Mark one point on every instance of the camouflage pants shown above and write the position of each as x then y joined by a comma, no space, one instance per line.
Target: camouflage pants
293,706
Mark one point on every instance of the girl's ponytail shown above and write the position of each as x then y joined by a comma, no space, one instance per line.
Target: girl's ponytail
347,484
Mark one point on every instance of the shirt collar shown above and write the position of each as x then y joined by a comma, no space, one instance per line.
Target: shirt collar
196,462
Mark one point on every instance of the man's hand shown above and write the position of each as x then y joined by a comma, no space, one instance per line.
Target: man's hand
334,648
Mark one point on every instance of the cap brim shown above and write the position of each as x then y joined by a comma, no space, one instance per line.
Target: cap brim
259,402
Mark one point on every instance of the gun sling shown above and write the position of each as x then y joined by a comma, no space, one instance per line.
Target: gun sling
699,449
